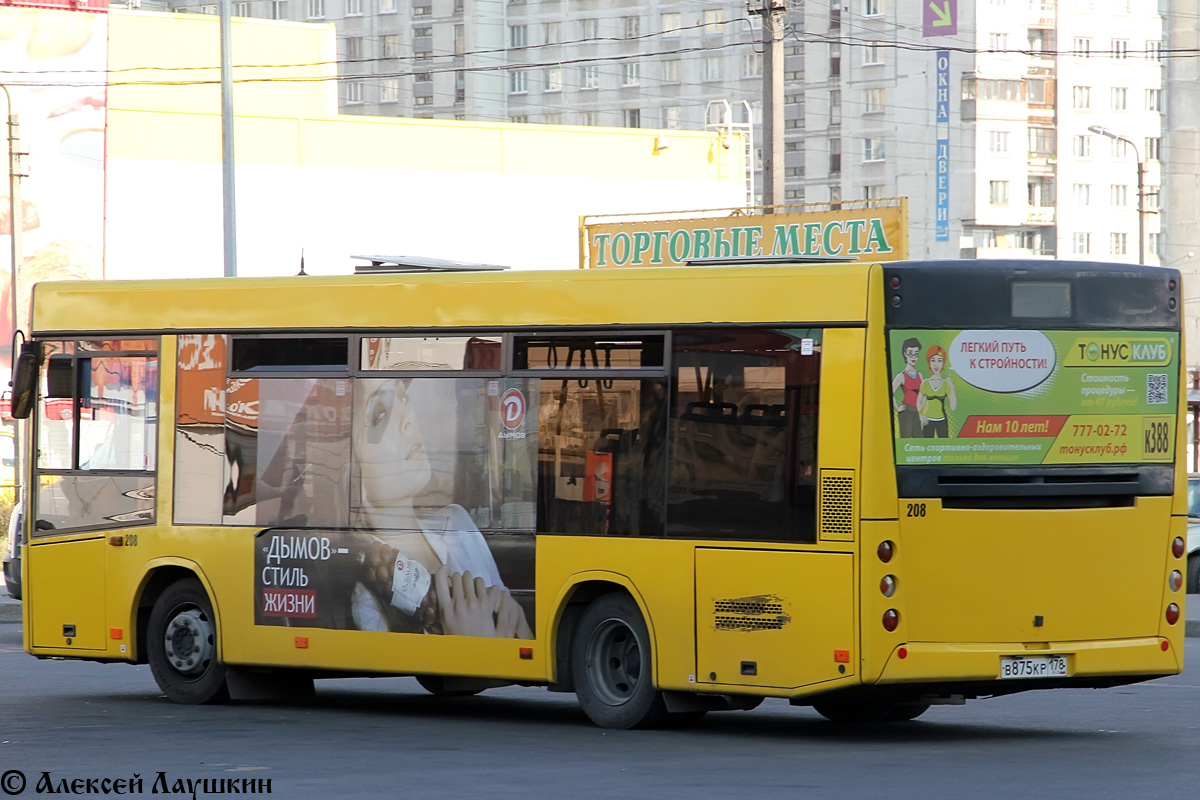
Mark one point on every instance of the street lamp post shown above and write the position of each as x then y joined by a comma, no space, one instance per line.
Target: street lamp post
16,227
1141,186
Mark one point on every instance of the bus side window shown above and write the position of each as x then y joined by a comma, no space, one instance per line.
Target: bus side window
743,434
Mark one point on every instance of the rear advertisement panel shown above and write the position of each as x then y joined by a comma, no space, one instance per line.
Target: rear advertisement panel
1023,397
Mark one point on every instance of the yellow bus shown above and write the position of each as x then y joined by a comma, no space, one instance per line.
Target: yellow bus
866,488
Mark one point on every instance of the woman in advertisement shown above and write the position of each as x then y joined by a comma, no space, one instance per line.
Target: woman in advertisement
428,568
936,396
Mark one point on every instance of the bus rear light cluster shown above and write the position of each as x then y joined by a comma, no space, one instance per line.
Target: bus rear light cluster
885,551
1176,580
1177,547
888,585
1172,614
891,619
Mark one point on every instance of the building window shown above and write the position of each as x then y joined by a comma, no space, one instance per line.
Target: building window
1040,192
422,77
316,9
554,79
671,71
589,28
1154,100
1154,244
997,142
460,40
630,73
1035,91
872,192
1118,244
835,60
590,118
1154,51
1151,197
1083,194
354,48
872,54
352,92
591,77
1120,98
631,117
752,65
518,81
391,46
520,119
241,9
631,27
388,6
518,35
1118,195
1083,146
998,193
671,23
279,9
672,116
460,87
872,8
1154,148
1081,243
1118,148
998,42
424,31
835,156
1082,97
1082,47
423,100
712,68
389,90
874,101
713,17
422,11
1040,41
553,32
553,119
354,8
835,15
835,106
1120,48
1042,142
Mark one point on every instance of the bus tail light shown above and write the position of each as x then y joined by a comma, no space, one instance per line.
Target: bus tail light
885,551
1177,547
1176,580
1172,614
891,619
888,585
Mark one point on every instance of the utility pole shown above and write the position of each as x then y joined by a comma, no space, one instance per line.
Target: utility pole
229,209
772,13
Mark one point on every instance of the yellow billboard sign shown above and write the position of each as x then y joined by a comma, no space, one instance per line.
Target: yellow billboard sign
870,230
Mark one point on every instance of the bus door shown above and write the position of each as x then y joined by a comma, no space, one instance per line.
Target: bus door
774,600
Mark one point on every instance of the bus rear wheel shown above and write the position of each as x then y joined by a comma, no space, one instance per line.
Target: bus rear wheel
611,664
182,646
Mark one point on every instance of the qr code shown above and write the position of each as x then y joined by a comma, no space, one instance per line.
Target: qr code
1156,389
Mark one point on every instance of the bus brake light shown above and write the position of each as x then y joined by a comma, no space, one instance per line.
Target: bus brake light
1177,547
891,619
1172,614
886,551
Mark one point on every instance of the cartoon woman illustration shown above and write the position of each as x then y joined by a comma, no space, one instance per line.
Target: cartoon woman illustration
908,379
454,586
937,393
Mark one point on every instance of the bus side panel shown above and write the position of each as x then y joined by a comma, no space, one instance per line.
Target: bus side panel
69,612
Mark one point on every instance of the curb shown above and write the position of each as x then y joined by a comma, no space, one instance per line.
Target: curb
10,611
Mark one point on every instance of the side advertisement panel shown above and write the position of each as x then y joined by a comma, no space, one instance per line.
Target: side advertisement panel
1020,397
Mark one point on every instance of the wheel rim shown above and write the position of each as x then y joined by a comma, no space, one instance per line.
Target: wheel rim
614,662
188,642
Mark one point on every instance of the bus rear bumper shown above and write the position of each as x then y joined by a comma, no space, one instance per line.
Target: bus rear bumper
1088,663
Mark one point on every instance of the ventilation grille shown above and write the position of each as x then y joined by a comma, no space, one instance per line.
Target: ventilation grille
837,504
762,613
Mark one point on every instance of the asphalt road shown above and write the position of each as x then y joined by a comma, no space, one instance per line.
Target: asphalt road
386,738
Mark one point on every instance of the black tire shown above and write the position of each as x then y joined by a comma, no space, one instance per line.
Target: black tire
612,666
844,711
1193,574
905,712
181,643
436,685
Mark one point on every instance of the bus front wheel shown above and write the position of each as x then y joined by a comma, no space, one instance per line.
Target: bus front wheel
611,665
182,645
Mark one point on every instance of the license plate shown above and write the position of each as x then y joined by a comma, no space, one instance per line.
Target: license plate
1033,667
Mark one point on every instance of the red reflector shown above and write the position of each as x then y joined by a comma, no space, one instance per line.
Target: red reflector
1172,614
527,653
116,633
116,541
1166,646
902,652
302,642
841,656
891,619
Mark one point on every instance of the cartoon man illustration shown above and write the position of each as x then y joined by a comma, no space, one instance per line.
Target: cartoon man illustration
909,380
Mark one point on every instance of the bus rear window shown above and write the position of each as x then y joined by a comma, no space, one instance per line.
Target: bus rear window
1041,300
